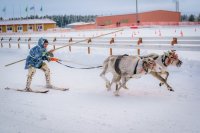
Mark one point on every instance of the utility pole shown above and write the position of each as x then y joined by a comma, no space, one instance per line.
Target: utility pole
177,5
137,21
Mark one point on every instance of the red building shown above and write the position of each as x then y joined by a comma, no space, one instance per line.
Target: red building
156,17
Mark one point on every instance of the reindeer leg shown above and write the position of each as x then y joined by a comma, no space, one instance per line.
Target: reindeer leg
116,93
124,86
108,85
118,88
116,79
156,75
167,74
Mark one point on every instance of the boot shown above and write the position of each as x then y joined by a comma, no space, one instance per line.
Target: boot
46,70
28,83
48,81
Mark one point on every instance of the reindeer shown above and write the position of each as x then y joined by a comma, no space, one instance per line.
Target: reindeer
169,58
125,67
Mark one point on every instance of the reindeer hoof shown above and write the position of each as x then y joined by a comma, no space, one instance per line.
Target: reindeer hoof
108,89
160,84
116,94
126,88
170,89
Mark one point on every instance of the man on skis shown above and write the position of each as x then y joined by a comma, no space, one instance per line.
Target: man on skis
35,60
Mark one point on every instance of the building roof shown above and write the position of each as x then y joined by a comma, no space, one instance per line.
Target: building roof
138,13
27,21
80,23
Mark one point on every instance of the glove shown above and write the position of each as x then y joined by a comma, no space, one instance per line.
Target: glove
53,59
48,54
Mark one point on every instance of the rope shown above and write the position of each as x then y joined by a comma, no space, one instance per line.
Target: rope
73,62
79,67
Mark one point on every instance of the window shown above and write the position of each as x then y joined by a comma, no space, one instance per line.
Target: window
39,27
19,29
0,29
30,28
9,28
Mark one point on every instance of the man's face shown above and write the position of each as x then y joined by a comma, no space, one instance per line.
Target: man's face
45,45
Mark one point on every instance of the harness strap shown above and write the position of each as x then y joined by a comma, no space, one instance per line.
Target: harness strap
117,65
146,70
163,60
118,71
135,70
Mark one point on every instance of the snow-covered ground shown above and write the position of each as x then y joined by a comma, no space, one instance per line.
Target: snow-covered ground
87,107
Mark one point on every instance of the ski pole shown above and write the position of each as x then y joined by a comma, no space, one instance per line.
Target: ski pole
15,62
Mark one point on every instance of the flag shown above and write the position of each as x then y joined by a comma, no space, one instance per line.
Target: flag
41,9
4,9
32,8
26,9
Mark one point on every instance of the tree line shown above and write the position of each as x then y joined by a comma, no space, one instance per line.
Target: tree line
190,18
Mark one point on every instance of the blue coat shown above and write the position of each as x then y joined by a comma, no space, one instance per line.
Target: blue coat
37,55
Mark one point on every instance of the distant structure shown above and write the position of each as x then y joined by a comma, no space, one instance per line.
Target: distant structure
145,17
26,25
80,24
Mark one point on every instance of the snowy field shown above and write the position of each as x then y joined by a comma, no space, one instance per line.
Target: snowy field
87,107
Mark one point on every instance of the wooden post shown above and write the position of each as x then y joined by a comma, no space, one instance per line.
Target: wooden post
1,42
29,43
89,40
18,42
174,41
70,40
111,42
9,42
138,43
54,47
110,51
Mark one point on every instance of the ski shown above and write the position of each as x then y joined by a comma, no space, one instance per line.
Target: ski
58,88
33,91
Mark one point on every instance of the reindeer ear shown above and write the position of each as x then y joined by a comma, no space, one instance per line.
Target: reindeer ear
155,57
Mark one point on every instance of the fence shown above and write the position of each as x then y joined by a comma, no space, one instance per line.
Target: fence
142,24
158,43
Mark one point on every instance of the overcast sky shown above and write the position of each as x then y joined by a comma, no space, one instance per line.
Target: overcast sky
16,8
